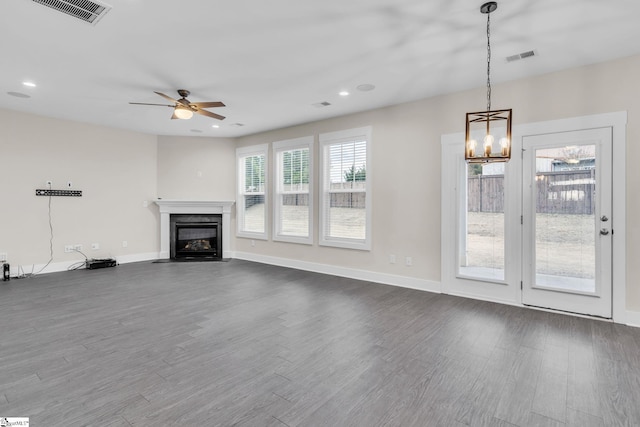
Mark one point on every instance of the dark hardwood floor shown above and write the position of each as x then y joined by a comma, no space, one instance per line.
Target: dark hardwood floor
245,344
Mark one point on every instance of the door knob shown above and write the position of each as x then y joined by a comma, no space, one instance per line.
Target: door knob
604,231
604,218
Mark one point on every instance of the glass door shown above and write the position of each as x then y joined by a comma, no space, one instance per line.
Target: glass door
567,235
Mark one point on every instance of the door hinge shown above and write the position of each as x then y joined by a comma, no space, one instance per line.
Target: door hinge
521,285
521,219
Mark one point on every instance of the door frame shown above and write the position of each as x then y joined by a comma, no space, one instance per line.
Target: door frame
598,302
510,291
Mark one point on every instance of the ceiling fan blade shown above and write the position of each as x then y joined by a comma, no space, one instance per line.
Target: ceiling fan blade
208,104
144,103
209,114
168,98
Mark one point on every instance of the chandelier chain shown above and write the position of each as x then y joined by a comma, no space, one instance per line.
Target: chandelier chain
488,63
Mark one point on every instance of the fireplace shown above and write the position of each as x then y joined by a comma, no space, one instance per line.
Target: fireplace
192,208
195,236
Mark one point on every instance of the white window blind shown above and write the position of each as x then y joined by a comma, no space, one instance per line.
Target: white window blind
346,196
252,192
294,190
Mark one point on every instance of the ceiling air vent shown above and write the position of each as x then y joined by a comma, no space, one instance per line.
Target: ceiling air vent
520,56
85,10
321,104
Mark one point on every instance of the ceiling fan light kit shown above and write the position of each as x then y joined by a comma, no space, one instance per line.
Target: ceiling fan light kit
183,113
492,126
184,109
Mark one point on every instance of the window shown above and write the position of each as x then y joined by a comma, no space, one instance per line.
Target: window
345,202
481,246
294,190
252,191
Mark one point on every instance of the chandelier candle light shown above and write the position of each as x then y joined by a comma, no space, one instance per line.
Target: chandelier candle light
494,124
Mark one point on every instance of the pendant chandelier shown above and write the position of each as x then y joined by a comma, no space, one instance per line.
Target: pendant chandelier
492,127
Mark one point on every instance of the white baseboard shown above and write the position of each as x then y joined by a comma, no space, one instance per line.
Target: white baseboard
55,267
352,273
126,259
633,318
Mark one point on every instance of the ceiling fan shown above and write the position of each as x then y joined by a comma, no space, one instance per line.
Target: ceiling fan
184,109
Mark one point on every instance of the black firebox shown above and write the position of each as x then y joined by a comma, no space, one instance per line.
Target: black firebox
196,237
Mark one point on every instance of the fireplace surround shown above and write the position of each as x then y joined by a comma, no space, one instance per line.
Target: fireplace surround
178,208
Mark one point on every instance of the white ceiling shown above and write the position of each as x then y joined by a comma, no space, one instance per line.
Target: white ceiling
269,61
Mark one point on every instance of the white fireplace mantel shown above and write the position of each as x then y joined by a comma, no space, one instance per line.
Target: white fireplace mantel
168,207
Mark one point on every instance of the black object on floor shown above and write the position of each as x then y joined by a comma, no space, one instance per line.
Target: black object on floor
92,264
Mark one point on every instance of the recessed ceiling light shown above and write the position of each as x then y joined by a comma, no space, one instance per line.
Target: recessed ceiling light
365,87
29,84
215,126
344,93
196,131
18,94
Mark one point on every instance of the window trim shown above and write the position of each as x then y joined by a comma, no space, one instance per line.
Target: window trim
326,140
278,148
241,153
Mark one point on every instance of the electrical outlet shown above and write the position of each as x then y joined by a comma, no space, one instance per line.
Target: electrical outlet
392,259
77,247
408,261
253,243
68,248
95,246
125,243
3,256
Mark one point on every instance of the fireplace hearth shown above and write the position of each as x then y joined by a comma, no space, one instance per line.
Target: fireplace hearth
196,237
